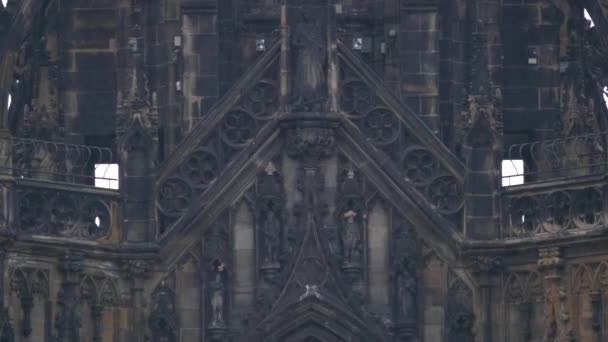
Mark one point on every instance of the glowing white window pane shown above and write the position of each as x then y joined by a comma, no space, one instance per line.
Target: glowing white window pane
512,172
4,3
8,105
106,176
606,96
588,17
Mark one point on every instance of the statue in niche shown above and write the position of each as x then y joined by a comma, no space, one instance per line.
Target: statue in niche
351,237
272,231
406,290
217,295
309,60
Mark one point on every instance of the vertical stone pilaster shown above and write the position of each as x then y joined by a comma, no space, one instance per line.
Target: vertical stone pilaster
484,268
137,271
67,320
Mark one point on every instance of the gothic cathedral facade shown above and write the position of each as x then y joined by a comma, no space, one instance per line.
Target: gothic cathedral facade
303,170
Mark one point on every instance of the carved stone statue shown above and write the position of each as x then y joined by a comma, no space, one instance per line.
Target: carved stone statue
351,237
406,290
309,60
272,231
217,296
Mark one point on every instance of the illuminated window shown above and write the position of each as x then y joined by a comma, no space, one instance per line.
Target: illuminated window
106,176
4,3
8,105
512,172
588,17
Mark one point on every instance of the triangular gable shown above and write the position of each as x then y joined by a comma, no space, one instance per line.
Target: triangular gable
232,125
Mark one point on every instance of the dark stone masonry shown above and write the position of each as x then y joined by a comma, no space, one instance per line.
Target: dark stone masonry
303,170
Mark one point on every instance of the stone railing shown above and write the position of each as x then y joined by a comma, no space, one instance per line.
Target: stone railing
555,208
41,208
548,160
54,161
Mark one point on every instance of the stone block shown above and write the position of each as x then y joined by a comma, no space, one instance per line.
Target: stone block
521,98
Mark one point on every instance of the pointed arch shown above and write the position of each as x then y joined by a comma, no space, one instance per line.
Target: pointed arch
88,290
601,272
108,293
581,279
19,282
513,289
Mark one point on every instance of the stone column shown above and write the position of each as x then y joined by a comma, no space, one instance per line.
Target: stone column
67,321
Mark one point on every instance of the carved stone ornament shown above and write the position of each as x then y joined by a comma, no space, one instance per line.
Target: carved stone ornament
137,268
310,143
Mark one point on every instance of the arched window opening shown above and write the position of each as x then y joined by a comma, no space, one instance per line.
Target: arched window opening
588,17
106,176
